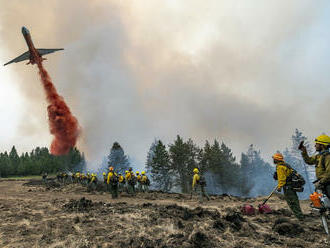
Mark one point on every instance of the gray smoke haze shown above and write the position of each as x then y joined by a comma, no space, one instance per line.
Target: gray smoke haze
246,72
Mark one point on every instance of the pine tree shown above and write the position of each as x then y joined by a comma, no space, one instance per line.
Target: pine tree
14,160
245,182
161,171
184,158
5,164
117,159
150,155
257,174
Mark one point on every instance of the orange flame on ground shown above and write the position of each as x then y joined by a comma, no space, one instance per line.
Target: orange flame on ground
63,125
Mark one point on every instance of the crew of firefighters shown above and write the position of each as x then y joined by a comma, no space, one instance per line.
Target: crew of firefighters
115,183
132,183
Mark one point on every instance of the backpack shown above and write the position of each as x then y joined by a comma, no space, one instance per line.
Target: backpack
133,180
202,181
114,179
295,180
275,175
323,158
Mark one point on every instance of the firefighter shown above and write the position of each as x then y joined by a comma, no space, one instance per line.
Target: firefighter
199,184
93,182
77,176
145,182
82,178
321,162
44,177
121,183
88,177
65,178
73,177
130,179
104,177
138,180
59,177
112,181
126,181
283,171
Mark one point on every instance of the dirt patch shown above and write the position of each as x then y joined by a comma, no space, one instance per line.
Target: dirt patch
81,205
284,226
51,183
69,216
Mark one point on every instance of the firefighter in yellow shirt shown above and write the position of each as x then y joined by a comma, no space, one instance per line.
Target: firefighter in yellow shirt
145,182
112,181
104,177
121,183
138,179
283,171
93,182
321,161
88,178
77,177
199,184
130,181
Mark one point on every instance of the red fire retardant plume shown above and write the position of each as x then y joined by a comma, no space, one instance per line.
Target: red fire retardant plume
63,125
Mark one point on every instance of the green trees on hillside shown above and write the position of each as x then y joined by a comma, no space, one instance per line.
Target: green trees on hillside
39,160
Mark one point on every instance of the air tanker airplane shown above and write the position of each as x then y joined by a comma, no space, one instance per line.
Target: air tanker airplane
34,55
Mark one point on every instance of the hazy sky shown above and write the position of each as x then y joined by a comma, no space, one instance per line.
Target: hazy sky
244,72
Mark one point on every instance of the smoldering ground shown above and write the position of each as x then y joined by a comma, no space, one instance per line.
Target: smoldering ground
69,216
135,71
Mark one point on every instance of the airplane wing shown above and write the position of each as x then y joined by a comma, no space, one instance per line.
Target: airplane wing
20,58
43,51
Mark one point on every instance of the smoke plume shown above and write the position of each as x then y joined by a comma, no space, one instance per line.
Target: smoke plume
244,72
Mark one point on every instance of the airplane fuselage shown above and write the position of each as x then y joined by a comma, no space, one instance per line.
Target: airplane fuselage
34,55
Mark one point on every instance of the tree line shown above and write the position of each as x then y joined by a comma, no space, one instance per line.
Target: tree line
170,167
39,161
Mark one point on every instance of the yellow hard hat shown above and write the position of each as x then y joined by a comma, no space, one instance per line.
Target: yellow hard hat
278,156
126,171
323,140
137,172
103,173
143,172
195,170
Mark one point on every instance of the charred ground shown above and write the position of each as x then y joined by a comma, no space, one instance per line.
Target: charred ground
68,216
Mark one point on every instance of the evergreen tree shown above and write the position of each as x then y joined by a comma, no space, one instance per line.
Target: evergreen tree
5,164
150,155
39,160
14,160
161,172
117,159
221,171
184,158
257,174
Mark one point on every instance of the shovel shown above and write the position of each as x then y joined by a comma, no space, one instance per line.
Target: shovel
265,209
269,196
